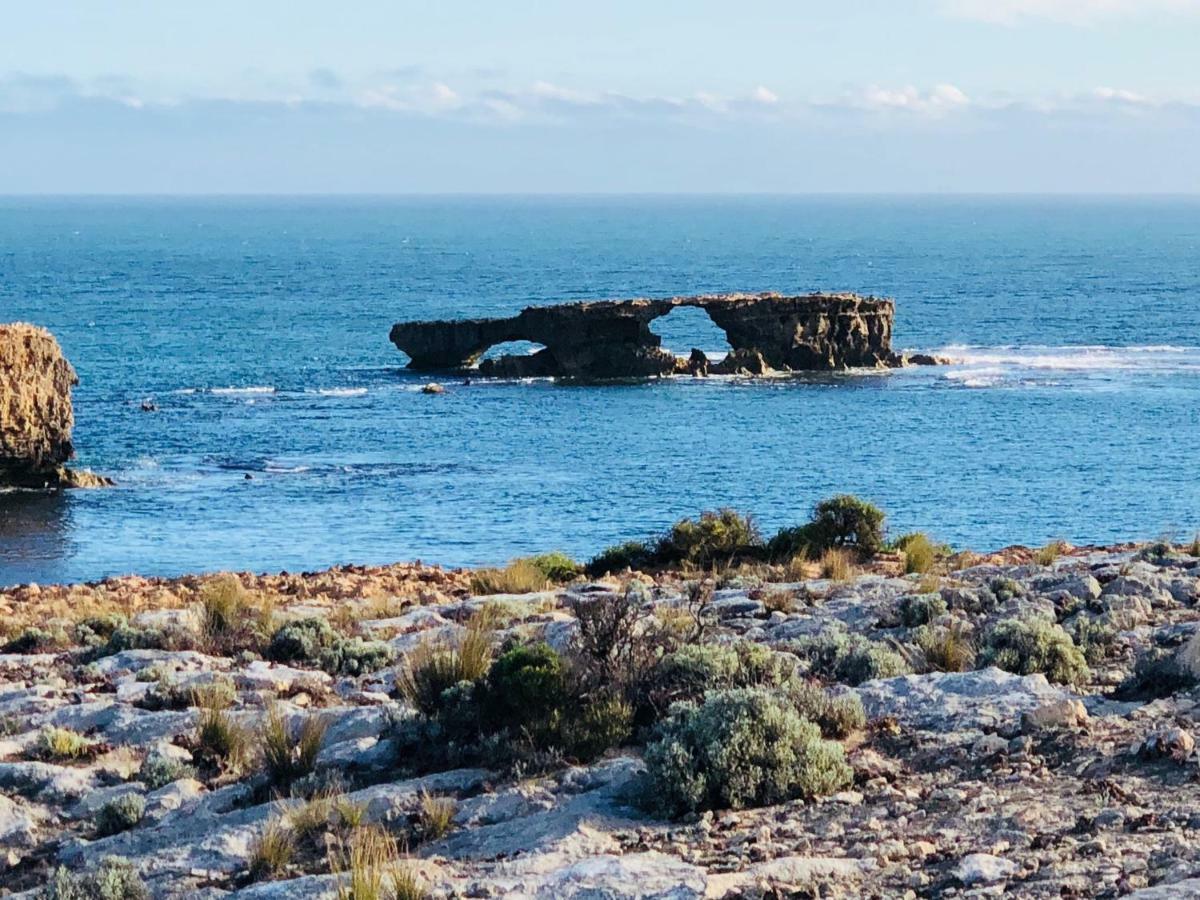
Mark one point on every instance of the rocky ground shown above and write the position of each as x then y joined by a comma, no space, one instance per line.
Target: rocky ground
981,782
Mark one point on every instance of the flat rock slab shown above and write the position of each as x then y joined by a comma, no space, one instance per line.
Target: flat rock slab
958,701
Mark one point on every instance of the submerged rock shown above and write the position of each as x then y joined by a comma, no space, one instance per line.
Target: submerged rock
36,417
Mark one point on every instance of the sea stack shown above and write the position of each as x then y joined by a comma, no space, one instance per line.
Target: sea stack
36,417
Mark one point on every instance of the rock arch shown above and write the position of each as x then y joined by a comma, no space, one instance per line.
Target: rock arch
612,338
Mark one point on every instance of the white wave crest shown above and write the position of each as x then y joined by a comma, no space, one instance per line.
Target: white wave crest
977,366
255,389
339,392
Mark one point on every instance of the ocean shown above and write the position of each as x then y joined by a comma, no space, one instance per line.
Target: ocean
259,326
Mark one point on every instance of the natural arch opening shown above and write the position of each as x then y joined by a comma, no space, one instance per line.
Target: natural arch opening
686,327
510,348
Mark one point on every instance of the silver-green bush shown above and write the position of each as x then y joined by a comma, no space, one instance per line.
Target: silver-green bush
739,748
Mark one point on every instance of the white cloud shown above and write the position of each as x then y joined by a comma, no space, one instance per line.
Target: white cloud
765,96
941,99
1079,12
1120,95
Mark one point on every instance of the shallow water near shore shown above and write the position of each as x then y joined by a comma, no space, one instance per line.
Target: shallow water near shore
259,329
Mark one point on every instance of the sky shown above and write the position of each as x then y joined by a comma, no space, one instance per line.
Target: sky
690,96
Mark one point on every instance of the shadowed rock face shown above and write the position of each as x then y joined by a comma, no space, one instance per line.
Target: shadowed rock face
35,411
612,338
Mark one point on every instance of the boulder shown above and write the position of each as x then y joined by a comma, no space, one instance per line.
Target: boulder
36,417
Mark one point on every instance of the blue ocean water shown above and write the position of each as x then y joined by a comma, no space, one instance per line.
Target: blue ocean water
259,328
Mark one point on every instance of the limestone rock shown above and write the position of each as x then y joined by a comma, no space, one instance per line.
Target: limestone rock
983,868
954,701
612,338
36,417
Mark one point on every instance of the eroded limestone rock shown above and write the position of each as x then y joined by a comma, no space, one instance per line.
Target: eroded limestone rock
612,338
35,411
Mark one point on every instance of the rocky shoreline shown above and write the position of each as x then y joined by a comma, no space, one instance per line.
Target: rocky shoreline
971,756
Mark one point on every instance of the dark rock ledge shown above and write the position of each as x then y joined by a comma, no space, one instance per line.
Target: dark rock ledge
612,338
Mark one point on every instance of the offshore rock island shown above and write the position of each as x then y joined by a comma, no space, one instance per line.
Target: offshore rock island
602,339
36,416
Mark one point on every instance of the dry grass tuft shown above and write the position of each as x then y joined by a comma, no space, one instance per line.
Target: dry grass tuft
436,816
272,851
64,744
521,576
367,866
1049,553
837,564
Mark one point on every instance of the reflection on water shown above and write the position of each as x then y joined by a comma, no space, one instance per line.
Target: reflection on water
35,527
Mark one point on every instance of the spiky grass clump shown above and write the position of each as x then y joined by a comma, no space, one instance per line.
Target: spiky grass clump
272,850
947,648
290,751
229,619
1044,556
64,744
435,816
434,667
367,866
220,741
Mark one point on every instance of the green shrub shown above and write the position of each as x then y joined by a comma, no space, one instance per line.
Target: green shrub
556,566
1006,589
1094,639
920,553
847,521
1050,552
109,635
159,770
313,641
737,749
921,609
719,536
1026,646
690,671
120,814
36,640
595,726
852,659
61,744
526,690
113,879
629,555
836,715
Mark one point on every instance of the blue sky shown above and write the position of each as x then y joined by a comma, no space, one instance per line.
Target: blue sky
759,95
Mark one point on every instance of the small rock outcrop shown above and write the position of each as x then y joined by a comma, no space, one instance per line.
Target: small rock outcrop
35,411
612,338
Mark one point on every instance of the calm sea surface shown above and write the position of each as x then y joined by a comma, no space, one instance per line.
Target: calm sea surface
259,328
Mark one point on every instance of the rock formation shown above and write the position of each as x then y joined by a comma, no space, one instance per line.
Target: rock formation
35,411
612,338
